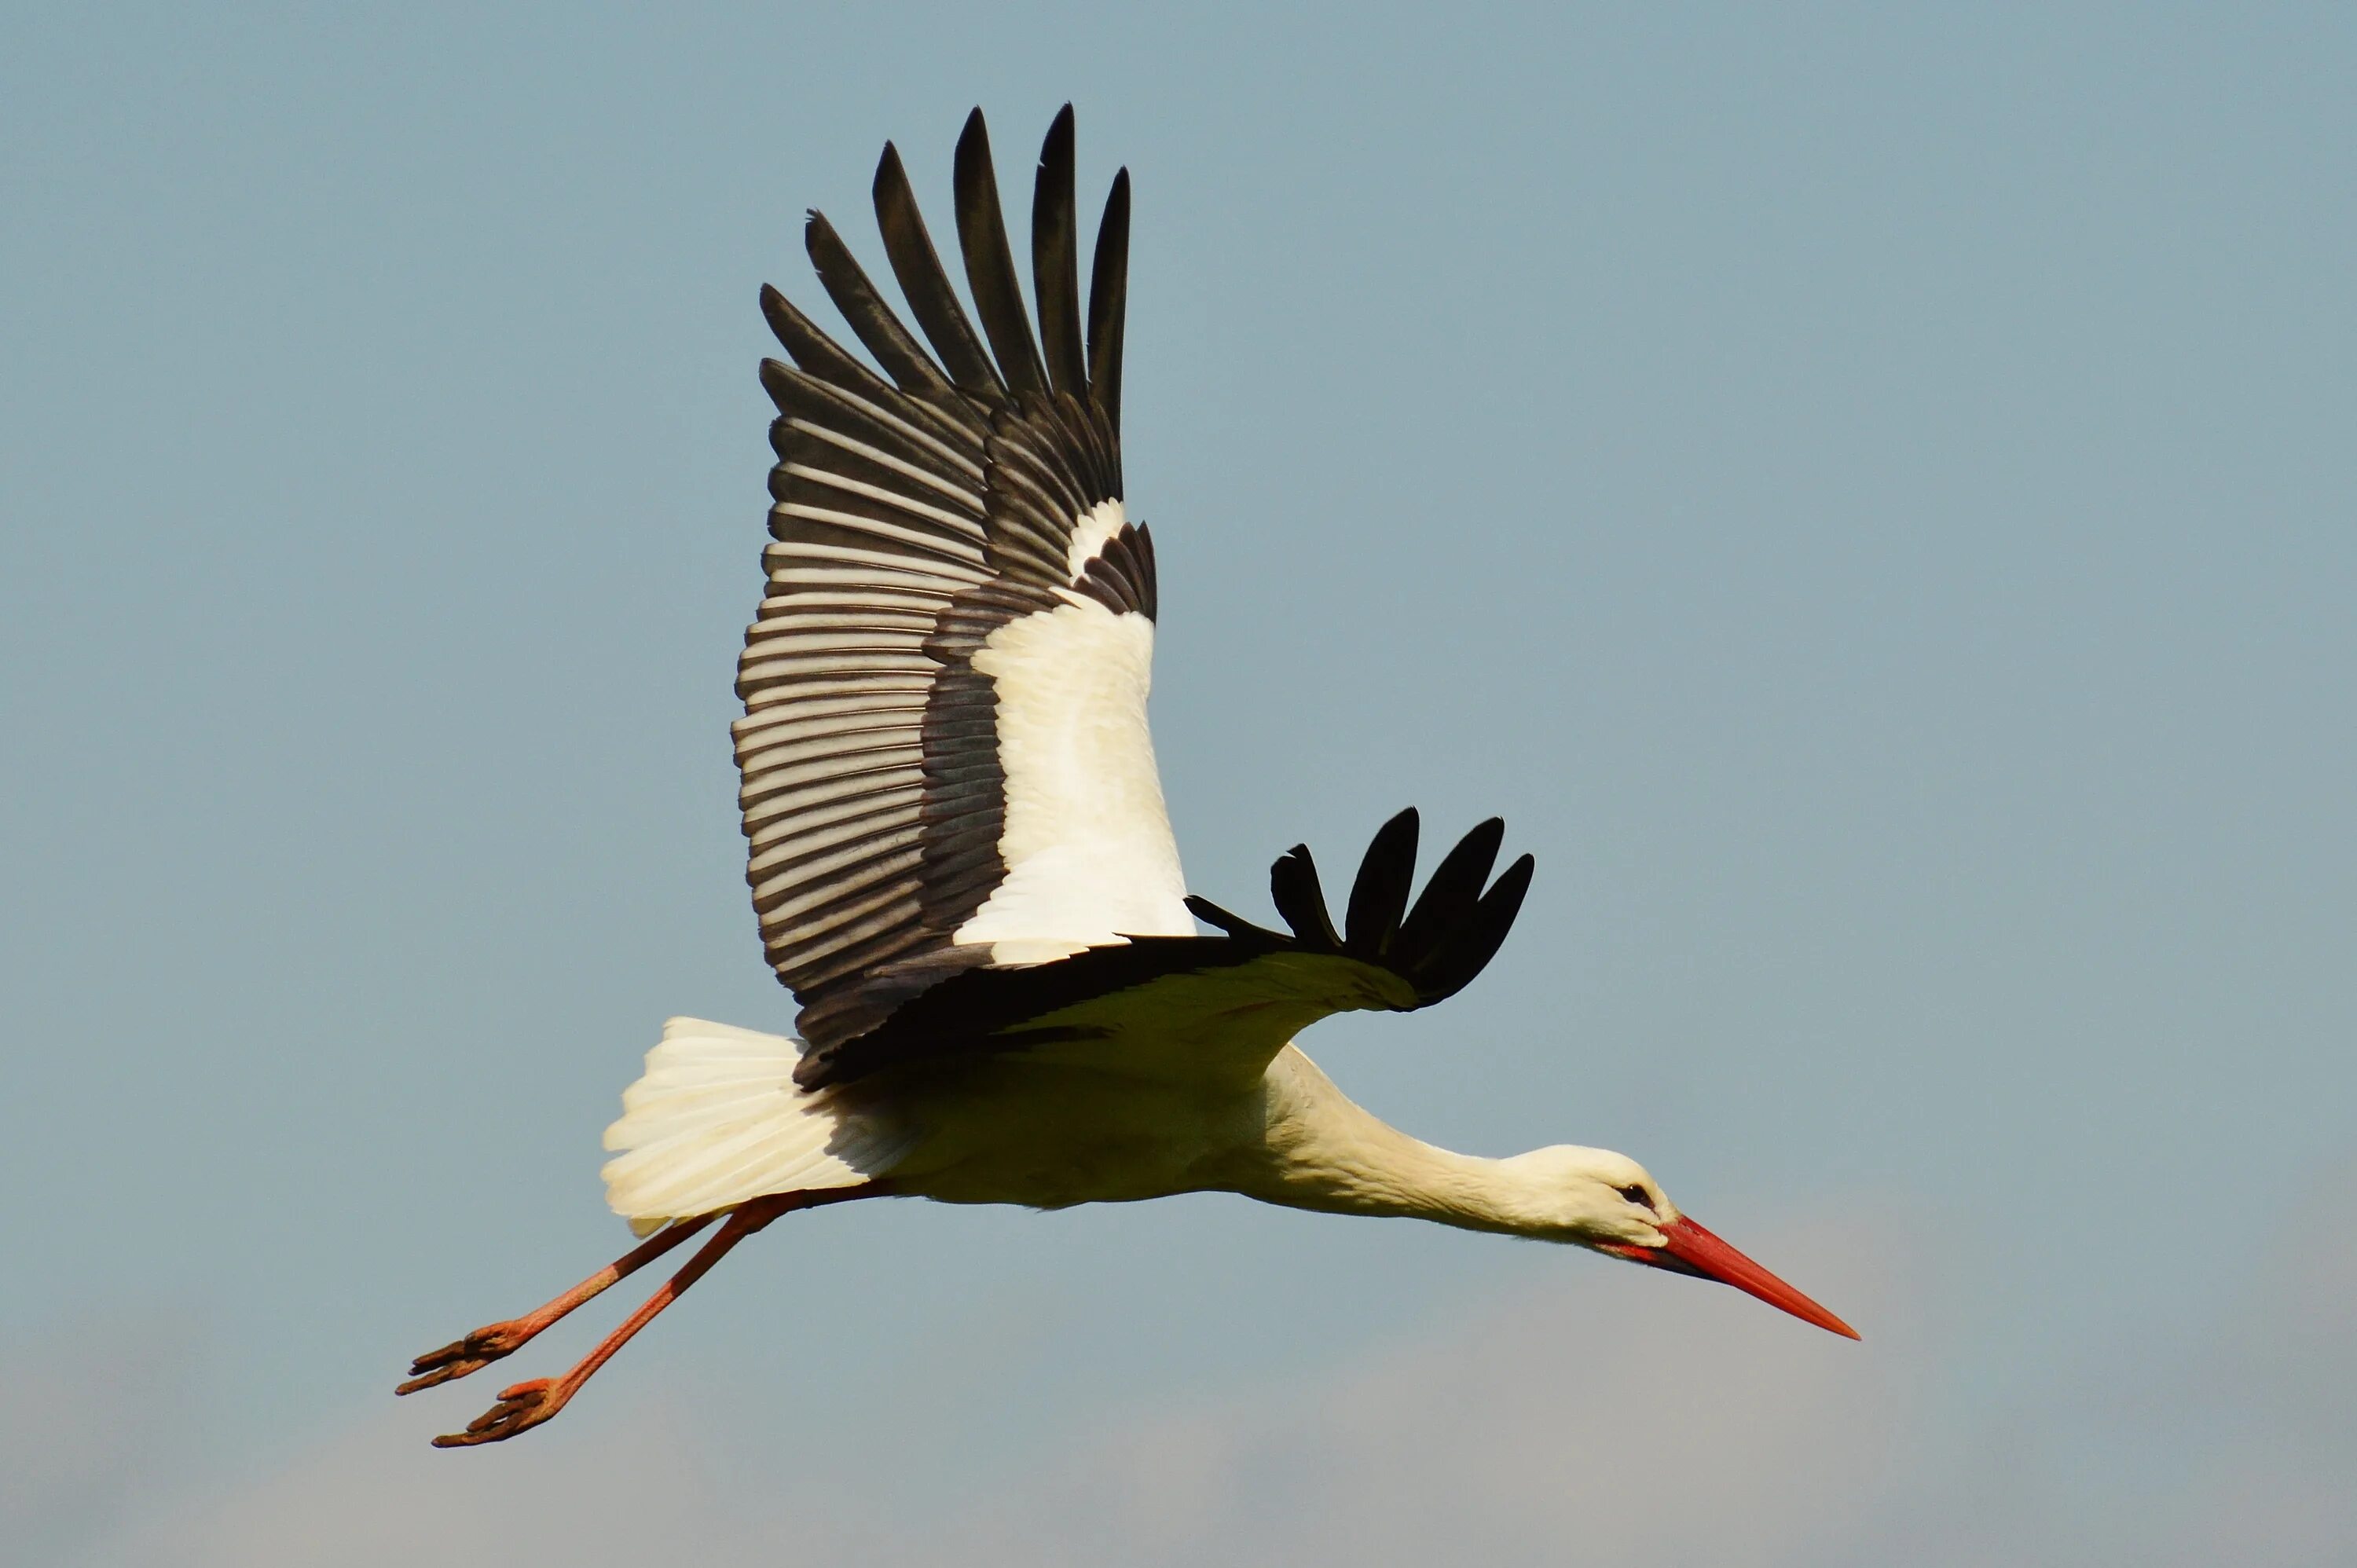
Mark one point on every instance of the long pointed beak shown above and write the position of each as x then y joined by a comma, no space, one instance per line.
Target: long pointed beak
1687,1249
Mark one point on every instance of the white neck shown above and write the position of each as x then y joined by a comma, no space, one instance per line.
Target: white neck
1321,1150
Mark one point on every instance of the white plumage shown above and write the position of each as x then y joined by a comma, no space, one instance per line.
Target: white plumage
717,1118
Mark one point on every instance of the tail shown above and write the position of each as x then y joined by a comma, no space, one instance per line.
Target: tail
717,1120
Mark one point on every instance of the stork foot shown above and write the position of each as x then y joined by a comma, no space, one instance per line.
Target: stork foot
472,1354
521,1408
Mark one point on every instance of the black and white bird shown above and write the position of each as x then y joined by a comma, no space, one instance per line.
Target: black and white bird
959,857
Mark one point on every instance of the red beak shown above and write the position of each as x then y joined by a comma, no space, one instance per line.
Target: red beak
1687,1249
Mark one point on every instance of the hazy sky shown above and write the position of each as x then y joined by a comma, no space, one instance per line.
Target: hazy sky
1865,493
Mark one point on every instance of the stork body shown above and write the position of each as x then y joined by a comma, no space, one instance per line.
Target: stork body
1054,1136
959,853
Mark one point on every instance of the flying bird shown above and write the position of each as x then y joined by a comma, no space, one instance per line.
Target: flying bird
959,853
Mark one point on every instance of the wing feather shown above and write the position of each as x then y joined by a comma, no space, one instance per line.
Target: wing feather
1379,896
990,264
918,267
1109,301
1056,263
946,680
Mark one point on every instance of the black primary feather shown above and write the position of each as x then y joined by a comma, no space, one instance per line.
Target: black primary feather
1212,915
990,265
1455,887
1449,937
1379,894
1469,949
1108,299
918,267
1056,262
1300,902
871,320
811,349
1451,933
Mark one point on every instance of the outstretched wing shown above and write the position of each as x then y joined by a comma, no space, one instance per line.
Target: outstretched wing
944,751
1228,1001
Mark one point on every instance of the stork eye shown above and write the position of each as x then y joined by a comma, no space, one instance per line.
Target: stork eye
1636,1195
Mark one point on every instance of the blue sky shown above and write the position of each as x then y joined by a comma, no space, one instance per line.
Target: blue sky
1864,493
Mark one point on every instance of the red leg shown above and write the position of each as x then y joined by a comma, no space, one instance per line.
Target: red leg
488,1344
526,1405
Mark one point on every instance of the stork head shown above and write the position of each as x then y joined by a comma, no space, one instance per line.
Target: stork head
1610,1203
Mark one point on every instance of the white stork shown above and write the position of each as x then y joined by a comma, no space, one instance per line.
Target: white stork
960,856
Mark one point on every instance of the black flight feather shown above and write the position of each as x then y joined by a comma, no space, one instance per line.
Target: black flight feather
918,266
1379,896
811,349
1455,887
1300,902
1212,915
990,265
1469,949
1056,262
871,320
1108,299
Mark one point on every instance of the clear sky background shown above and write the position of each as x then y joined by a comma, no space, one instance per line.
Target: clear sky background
1866,492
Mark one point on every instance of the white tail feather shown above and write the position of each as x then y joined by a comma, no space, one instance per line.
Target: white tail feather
718,1119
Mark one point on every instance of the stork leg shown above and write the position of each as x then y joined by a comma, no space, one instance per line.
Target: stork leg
526,1405
493,1341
